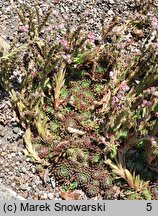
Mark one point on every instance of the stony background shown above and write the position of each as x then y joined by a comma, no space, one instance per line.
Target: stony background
89,11
16,171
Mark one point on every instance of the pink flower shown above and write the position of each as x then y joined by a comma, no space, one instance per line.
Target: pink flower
154,23
34,74
155,45
124,86
109,135
64,43
61,26
120,95
120,46
153,141
65,16
55,13
91,36
112,75
67,58
150,90
47,28
24,28
116,102
155,93
146,103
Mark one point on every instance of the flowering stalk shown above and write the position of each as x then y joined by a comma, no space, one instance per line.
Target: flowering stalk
59,82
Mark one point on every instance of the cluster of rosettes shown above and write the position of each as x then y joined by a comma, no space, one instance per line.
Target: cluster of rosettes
81,98
82,163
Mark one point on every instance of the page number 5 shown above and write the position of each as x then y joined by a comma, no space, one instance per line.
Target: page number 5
149,206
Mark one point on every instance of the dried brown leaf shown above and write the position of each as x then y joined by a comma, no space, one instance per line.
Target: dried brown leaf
69,195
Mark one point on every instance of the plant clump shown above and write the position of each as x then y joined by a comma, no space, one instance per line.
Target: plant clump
89,108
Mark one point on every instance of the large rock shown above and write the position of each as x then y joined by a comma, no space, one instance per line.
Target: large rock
8,194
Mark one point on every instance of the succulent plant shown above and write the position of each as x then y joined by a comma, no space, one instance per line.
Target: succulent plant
63,172
83,178
96,158
110,194
98,174
92,190
77,155
146,195
133,196
107,181
95,183
154,192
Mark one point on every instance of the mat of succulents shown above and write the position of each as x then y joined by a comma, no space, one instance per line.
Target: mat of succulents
87,104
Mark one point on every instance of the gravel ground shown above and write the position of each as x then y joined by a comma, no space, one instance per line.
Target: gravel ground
90,11
16,170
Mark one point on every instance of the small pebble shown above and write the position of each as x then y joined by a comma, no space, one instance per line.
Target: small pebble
17,163
50,196
1,127
23,170
1,161
111,1
24,186
13,154
9,156
16,130
44,195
